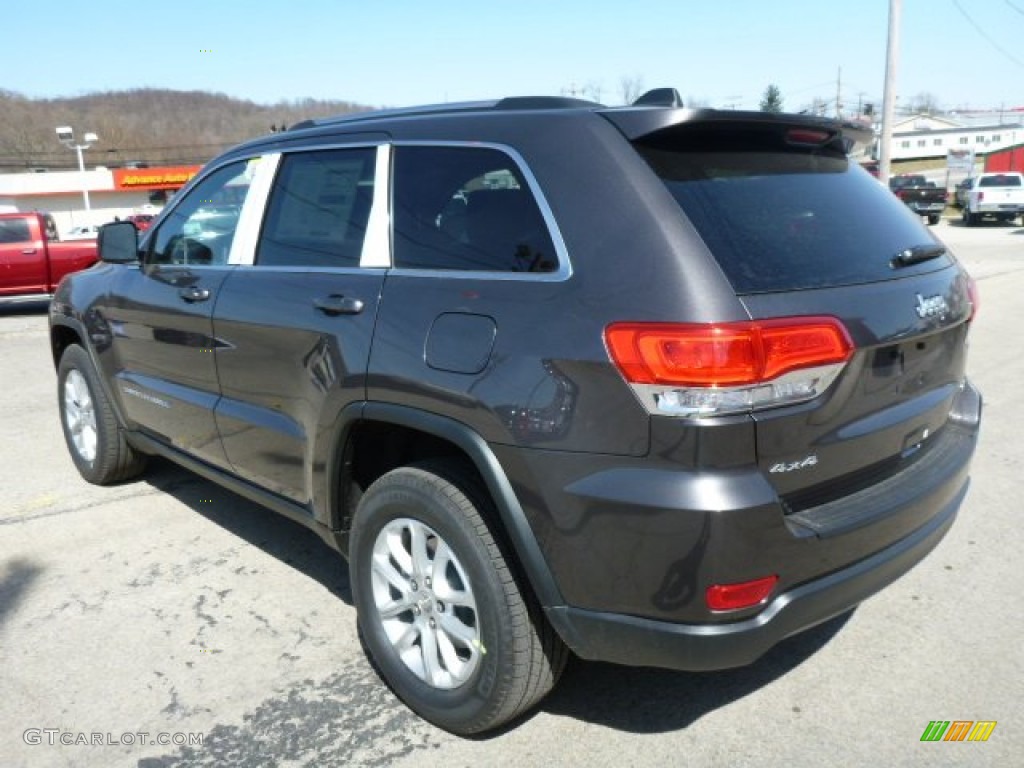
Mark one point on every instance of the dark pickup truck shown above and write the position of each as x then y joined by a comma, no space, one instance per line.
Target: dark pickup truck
33,260
920,195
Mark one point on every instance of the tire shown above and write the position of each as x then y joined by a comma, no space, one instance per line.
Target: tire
94,439
933,219
466,647
970,219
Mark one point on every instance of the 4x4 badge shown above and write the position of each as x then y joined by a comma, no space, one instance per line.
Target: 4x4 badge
929,306
783,466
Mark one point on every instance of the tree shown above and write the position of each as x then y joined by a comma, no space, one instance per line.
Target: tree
924,103
631,88
772,99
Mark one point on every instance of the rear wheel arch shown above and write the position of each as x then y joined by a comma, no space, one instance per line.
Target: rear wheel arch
380,437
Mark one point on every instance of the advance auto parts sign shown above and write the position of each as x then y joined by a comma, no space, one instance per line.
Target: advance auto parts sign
165,177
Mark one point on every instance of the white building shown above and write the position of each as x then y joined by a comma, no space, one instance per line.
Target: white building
925,136
118,192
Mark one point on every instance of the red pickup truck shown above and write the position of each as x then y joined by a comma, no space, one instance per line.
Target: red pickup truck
33,260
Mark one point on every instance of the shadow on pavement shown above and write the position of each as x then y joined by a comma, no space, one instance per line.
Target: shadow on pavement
983,224
637,700
283,539
644,700
16,577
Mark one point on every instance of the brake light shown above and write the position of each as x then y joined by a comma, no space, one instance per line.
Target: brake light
981,196
812,136
732,597
700,370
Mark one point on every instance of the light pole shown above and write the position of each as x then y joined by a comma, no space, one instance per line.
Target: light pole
66,136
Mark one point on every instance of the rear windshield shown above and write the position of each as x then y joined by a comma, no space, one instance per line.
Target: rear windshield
999,181
782,218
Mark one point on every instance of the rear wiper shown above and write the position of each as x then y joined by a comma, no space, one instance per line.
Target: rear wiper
917,254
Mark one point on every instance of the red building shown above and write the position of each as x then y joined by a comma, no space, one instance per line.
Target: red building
1008,159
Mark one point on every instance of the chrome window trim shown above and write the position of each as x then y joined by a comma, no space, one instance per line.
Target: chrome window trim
250,220
378,248
321,270
377,243
564,271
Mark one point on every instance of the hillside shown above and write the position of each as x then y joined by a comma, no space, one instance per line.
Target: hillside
150,125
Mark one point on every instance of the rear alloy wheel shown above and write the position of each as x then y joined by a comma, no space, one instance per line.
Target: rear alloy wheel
425,603
94,440
444,618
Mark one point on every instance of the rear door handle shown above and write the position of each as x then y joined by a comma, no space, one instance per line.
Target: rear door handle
28,251
194,293
339,305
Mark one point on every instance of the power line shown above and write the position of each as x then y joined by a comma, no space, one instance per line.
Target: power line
1018,10
984,34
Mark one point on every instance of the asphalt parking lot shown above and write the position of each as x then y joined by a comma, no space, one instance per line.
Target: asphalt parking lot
138,618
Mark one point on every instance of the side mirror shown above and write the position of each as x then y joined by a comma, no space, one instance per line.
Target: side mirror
118,243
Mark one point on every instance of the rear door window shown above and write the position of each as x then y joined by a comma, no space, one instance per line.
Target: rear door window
778,217
319,209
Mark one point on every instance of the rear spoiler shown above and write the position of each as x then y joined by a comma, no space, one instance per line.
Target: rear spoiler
639,122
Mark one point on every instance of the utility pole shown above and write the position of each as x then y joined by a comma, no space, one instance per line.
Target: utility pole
892,56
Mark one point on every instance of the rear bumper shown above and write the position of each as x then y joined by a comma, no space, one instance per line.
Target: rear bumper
634,641
927,207
1000,208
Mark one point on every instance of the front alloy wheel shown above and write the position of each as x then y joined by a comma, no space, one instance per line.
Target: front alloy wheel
94,439
80,415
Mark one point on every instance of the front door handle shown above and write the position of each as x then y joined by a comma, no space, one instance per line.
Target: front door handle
339,305
194,293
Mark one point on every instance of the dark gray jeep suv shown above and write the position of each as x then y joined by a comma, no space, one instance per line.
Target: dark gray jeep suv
656,386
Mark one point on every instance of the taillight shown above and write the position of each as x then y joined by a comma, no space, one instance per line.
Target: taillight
973,296
701,370
981,196
732,597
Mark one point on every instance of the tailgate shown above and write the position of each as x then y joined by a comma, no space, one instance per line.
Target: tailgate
801,232
892,400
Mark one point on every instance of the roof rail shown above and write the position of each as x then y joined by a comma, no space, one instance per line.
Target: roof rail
544,102
376,114
509,103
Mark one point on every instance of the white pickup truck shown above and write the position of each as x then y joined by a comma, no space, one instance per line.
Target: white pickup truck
995,194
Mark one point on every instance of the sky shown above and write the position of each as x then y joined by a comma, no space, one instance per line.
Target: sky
721,53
